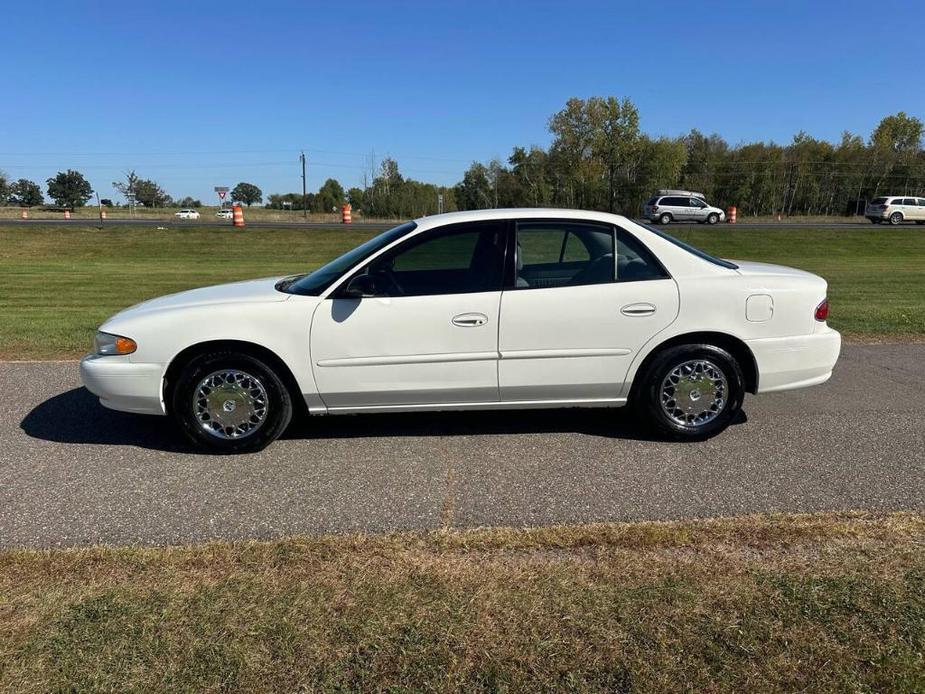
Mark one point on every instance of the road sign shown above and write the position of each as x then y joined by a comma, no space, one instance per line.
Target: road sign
221,189
221,194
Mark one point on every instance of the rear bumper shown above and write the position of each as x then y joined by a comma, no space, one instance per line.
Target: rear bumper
786,363
123,385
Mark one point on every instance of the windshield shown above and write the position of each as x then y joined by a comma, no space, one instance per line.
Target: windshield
316,282
691,249
878,201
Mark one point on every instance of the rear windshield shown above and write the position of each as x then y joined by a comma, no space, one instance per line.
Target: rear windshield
878,201
652,201
691,249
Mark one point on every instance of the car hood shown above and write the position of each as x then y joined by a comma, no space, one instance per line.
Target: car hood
249,292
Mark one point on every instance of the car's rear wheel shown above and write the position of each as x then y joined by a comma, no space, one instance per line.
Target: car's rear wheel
691,392
896,218
665,219
712,218
229,402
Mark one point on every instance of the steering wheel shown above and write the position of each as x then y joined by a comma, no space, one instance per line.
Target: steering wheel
385,272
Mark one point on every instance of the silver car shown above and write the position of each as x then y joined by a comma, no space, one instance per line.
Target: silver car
896,210
681,206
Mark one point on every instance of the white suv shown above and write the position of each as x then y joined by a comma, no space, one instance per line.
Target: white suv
681,206
896,210
187,214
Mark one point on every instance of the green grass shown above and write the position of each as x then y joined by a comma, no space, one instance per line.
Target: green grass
57,285
783,603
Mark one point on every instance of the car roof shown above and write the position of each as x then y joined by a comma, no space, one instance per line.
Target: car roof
518,213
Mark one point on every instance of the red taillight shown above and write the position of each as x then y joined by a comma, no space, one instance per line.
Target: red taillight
822,310
655,208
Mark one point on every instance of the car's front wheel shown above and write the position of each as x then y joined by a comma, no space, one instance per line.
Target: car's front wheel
229,402
691,392
713,218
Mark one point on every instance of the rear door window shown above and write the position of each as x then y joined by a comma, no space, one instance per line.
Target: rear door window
563,254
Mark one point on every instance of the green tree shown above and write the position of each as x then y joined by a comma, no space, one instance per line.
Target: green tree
475,191
247,193
896,145
615,140
355,197
189,201
4,188
151,194
288,201
26,193
69,189
530,170
128,187
330,196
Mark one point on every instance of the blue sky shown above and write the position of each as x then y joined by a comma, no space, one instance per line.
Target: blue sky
196,94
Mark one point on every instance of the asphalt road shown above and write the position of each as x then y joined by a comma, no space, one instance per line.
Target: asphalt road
207,223
73,473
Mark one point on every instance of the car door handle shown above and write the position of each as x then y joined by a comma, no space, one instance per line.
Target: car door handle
636,310
470,320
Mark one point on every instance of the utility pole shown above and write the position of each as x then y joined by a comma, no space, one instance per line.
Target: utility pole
304,195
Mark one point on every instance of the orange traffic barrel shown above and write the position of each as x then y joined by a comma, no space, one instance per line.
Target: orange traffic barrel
67,214
237,215
102,214
346,214
731,214
24,214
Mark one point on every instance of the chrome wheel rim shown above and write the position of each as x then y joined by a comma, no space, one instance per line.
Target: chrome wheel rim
230,404
694,392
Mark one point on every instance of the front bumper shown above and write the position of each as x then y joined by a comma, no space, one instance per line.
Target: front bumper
786,363
123,385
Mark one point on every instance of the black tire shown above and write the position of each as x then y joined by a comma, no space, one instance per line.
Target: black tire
277,403
896,218
664,219
712,218
648,396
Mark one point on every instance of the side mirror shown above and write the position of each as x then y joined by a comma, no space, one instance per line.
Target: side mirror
361,286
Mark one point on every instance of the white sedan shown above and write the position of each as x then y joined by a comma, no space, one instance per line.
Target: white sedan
474,310
186,214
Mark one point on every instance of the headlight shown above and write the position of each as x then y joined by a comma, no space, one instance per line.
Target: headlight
104,343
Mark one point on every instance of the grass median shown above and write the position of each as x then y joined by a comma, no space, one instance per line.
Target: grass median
57,285
816,603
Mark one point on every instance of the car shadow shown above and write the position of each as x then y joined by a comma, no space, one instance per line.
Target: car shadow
77,417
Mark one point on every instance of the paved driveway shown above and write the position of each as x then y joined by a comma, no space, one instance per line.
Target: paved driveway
74,473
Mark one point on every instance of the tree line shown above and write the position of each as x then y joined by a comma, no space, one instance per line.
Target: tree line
598,159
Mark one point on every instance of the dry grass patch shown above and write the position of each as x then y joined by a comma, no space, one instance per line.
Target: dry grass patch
818,602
